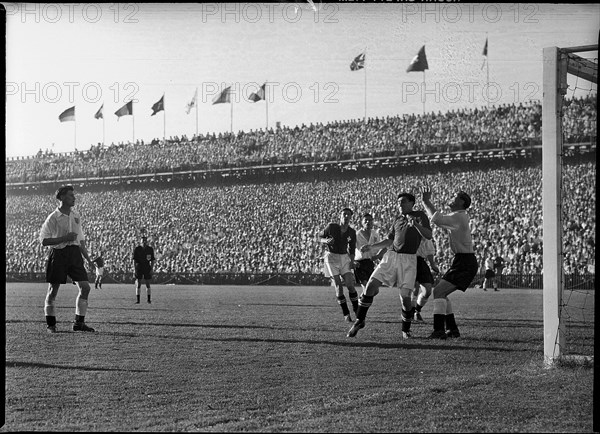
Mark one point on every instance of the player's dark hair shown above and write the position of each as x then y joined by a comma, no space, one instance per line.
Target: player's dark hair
63,190
349,210
367,215
409,196
465,198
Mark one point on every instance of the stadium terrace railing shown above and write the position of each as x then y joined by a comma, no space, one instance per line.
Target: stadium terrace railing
530,281
298,163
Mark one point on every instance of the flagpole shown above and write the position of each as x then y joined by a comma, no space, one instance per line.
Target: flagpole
487,67
231,116
103,131
196,104
133,122
423,93
75,129
266,107
164,119
365,68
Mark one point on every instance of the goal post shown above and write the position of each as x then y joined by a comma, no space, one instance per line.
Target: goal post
557,63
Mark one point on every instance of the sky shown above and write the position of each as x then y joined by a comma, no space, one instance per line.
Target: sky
92,54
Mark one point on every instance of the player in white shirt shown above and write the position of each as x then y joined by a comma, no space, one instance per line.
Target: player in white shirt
365,265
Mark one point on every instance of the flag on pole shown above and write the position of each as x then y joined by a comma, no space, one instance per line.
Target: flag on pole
127,109
67,115
260,95
158,106
223,97
485,50
419,62
358,62
99,114
190,105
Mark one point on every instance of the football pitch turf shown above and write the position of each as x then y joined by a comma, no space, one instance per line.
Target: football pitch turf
273,359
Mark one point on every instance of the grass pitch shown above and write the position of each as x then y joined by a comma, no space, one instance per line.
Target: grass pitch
273,359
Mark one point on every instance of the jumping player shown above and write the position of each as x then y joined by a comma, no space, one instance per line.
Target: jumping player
339,240
398,267
464,265
364,261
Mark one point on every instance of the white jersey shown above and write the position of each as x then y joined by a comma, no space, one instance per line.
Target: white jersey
426,248
362,240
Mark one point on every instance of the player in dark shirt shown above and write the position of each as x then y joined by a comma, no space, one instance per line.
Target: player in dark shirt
498,267
339,240
143,262
398,267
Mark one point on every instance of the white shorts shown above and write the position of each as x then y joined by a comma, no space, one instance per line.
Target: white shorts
99,271
336,264
397,269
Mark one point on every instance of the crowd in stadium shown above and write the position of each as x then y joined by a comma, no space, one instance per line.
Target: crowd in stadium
274,227
507,125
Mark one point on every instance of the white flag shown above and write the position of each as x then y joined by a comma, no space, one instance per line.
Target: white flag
190,105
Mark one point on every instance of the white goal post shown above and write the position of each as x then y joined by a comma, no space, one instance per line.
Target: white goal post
557,63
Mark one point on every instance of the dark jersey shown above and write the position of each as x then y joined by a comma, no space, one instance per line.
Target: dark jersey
499,263
407,238
99,262
143,255
342,242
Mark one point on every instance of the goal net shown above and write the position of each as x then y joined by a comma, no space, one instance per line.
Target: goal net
570,78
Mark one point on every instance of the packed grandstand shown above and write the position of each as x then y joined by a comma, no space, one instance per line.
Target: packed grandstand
265,225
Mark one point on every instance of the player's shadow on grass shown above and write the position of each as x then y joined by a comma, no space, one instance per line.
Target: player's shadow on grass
318,306
17,364
212,326
413,345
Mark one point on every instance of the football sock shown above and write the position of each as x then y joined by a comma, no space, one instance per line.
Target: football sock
439,313
49,309
79,318
50,320
342,302
353,300
138,297
421,302
451,322
81,306
407,318
364,303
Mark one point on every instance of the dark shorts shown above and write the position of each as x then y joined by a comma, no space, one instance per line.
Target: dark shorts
363,270
489,274
423,271
143,273
65,262
462,271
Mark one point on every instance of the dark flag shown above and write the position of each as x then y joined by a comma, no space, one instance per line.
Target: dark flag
358,62
484,53
223,97
260,95
419,62
127,109
99,114
67,115
158,106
